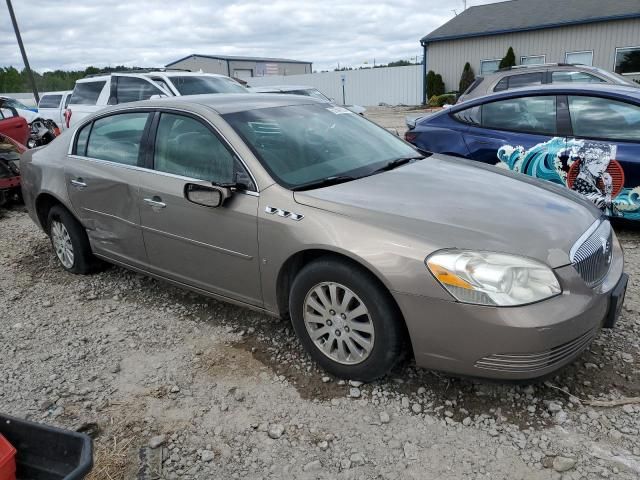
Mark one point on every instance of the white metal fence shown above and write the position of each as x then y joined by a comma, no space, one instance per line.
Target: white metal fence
26,98
392,85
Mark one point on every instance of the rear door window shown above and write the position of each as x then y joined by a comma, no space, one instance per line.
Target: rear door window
133,89
602,118
117,138
87,93
565,76
517,81
50,101
525,80
527,114
81,140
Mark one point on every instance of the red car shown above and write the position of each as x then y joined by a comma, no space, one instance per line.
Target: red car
13,125
10,151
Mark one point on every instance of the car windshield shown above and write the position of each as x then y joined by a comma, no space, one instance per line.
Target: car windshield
192,85
310,92
617,78
12,102
304,144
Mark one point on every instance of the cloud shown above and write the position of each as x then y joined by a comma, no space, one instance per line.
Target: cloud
69,34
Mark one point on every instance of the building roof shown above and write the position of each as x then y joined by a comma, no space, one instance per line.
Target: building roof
237,58
523,15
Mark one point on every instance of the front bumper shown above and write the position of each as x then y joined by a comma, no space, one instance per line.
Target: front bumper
510,342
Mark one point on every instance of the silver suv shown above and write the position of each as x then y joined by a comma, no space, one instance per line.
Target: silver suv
528,75
296,207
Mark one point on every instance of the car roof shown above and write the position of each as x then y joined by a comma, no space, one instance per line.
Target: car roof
98,78
559,89
282,88
59,92
224,103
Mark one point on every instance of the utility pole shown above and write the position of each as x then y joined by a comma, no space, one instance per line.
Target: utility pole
22,51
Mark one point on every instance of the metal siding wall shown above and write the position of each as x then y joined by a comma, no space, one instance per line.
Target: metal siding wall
214,65
395,85
448,57
207,65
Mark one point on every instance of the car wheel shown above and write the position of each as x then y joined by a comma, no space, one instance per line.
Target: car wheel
70,242
346,320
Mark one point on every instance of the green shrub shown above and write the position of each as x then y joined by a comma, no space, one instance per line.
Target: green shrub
441,100
438,85
509,60
466,78
435,85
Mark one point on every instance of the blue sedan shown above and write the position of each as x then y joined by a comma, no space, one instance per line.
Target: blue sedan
585,137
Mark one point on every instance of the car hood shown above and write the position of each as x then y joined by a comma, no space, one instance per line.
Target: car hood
446,202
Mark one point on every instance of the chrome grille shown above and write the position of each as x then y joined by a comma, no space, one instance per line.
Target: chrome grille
531,362
591,256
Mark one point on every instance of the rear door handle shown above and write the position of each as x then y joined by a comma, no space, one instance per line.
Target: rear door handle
155,202
78,183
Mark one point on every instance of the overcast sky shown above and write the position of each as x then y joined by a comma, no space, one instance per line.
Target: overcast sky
69,34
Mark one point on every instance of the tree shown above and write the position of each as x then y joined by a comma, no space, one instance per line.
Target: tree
438,85
509,59
466,78
430,76
435,85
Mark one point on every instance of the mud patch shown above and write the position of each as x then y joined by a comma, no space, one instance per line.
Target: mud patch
308,384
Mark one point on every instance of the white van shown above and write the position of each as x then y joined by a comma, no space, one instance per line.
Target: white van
52,106
95,92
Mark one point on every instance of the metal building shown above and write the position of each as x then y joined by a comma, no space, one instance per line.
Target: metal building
242,67
602,33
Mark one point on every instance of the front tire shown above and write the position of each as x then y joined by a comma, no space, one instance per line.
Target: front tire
346,320
70,242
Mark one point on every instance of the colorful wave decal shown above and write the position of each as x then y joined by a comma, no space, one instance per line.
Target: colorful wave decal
553,159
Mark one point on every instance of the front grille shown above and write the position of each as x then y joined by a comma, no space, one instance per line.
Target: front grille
532,362
591,257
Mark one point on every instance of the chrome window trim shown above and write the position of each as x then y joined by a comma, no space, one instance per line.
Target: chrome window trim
152,110
594,226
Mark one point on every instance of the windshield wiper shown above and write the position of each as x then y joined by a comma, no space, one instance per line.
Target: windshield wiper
324,182
396,162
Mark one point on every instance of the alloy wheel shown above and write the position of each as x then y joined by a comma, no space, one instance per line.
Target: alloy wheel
62,243
339,323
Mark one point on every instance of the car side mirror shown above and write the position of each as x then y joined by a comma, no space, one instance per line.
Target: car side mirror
206,196
157,96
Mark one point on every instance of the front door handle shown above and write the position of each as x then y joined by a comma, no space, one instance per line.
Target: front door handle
155,202
78,183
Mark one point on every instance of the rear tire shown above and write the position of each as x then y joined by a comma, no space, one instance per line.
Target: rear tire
70,242
346,320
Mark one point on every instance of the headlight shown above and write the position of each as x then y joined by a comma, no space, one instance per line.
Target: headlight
488,278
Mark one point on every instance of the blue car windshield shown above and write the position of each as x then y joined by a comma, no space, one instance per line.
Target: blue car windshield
302,144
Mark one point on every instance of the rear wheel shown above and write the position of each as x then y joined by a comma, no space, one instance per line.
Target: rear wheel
70,242
346,320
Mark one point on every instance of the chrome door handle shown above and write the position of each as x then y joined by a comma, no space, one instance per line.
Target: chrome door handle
155,203
78,183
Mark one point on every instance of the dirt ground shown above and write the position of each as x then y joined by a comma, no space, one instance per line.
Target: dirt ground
171,385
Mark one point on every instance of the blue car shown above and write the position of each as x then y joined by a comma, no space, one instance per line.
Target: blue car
585,137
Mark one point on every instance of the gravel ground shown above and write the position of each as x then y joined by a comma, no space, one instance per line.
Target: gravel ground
171,384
